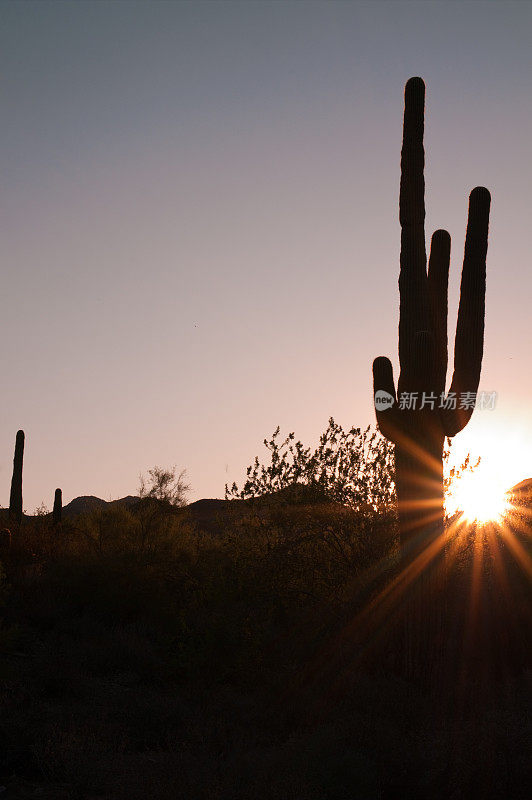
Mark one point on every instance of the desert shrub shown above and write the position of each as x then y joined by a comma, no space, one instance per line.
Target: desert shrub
150,531
353,467
165,484
111,529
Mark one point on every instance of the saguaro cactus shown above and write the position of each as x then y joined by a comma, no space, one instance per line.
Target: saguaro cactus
419,433
15,498
58,507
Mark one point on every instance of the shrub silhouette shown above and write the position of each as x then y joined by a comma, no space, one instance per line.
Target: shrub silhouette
165,485
353,467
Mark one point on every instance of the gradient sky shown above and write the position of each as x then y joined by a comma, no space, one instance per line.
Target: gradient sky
199,224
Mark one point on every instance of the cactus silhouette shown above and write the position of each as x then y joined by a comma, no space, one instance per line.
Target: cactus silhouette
58,507
419,434
15,498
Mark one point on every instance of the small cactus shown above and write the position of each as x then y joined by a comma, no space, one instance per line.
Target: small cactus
15,498
58,507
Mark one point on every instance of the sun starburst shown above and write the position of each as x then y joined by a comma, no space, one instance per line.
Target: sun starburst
479,496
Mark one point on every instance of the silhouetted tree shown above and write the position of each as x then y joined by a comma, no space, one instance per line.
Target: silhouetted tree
353,467
166,485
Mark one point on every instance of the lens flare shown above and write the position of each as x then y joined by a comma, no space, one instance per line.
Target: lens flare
480,496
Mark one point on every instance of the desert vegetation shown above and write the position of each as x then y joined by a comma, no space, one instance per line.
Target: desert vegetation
144,652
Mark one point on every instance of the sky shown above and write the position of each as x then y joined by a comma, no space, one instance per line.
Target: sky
200,233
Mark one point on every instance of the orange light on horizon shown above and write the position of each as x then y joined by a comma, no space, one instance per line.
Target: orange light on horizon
479,496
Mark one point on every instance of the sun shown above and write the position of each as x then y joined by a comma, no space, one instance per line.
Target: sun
480,496
504,446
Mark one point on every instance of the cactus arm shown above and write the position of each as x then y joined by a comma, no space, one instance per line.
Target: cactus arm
388,420
469,340
413,310
438,282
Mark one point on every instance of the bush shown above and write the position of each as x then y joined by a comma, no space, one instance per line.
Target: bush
352,467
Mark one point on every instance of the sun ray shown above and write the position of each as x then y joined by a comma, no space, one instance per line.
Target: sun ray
479,496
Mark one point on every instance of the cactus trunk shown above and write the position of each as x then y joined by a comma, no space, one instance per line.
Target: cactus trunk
15,498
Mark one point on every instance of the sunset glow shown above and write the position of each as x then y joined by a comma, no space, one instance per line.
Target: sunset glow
480,496
266,429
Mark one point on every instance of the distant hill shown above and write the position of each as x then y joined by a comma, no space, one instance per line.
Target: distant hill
520,497
199,510
87,503
83,505
203,513
209,514
522,489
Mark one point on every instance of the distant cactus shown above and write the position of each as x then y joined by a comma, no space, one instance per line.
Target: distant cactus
419,434
58,507
15,498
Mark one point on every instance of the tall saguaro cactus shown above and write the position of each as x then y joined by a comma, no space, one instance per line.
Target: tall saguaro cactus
58,507
15,498
419,433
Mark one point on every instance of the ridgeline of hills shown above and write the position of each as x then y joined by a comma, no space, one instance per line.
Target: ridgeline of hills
206,513
522,489
88,503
